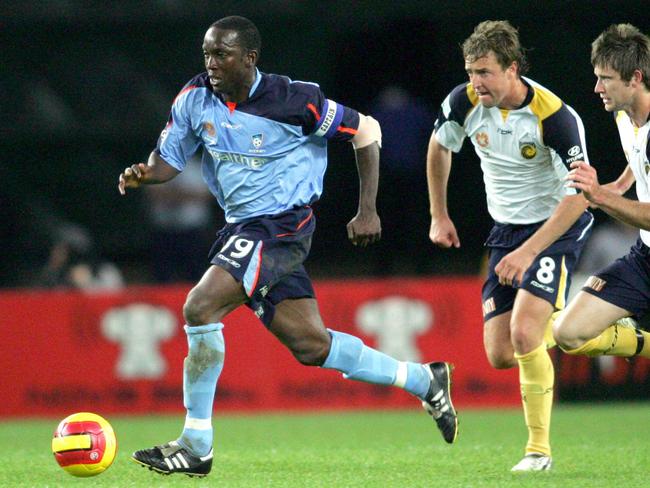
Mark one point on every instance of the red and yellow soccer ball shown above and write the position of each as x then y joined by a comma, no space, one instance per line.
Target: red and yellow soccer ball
84,444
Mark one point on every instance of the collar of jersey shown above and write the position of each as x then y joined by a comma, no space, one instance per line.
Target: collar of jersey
529,95
258,78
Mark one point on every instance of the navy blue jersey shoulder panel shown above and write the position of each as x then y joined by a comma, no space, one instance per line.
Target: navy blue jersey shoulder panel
199,81
297,103
563,133
278,98
459,104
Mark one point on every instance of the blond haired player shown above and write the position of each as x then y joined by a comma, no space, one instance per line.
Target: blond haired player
525,138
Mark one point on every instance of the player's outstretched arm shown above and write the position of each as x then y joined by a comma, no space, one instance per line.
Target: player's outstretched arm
442,231
155,171
365,227
632,212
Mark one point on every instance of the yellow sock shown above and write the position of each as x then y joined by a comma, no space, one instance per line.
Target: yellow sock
548,333
616,340
536,377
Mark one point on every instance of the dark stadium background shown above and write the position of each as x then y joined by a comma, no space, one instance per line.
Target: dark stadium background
85,87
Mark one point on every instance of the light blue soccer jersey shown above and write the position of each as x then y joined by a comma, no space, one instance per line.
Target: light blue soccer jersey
263,156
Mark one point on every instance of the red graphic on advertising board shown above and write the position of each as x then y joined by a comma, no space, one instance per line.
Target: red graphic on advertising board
123,352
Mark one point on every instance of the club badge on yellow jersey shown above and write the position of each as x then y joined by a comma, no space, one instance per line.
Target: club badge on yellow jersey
482,139
527,150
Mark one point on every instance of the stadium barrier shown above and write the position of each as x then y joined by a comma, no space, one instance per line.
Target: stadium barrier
123,352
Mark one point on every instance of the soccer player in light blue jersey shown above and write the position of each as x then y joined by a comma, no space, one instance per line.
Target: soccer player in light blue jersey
263,142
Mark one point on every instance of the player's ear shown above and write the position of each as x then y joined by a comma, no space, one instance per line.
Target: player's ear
251,58
514,68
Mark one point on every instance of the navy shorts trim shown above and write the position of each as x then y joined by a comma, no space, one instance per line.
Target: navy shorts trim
626,282
266,255
549,276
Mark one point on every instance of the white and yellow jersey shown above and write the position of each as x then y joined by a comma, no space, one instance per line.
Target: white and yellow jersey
525,153
637,152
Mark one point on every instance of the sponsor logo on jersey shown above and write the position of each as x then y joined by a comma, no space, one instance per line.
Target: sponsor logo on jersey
528,150
264,290
482,139
574,151
547,289
595,283
489,306
505,132
259,312
231,262
228,125
250,161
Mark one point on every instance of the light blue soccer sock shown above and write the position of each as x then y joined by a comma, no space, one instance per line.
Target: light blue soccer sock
201,370
349,355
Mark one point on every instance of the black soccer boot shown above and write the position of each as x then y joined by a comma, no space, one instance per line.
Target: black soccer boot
438,403
172,458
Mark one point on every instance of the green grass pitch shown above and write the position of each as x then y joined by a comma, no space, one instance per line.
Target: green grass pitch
594,445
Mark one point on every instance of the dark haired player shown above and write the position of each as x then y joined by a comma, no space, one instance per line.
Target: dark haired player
263,139
621,60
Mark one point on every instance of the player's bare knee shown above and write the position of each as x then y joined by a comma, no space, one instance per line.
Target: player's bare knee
500,354
198,309
312,352
525,337
501,360
567,342
564,336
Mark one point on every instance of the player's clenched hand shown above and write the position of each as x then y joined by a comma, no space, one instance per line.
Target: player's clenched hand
512,266
364,229
585,177
443,232
132,177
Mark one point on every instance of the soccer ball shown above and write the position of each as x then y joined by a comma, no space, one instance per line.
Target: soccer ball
84,444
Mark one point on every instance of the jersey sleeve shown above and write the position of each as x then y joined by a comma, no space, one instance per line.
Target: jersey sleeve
448,127
326,118
564,133
178,142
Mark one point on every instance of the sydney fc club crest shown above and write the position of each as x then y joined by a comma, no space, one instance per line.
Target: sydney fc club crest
257,140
